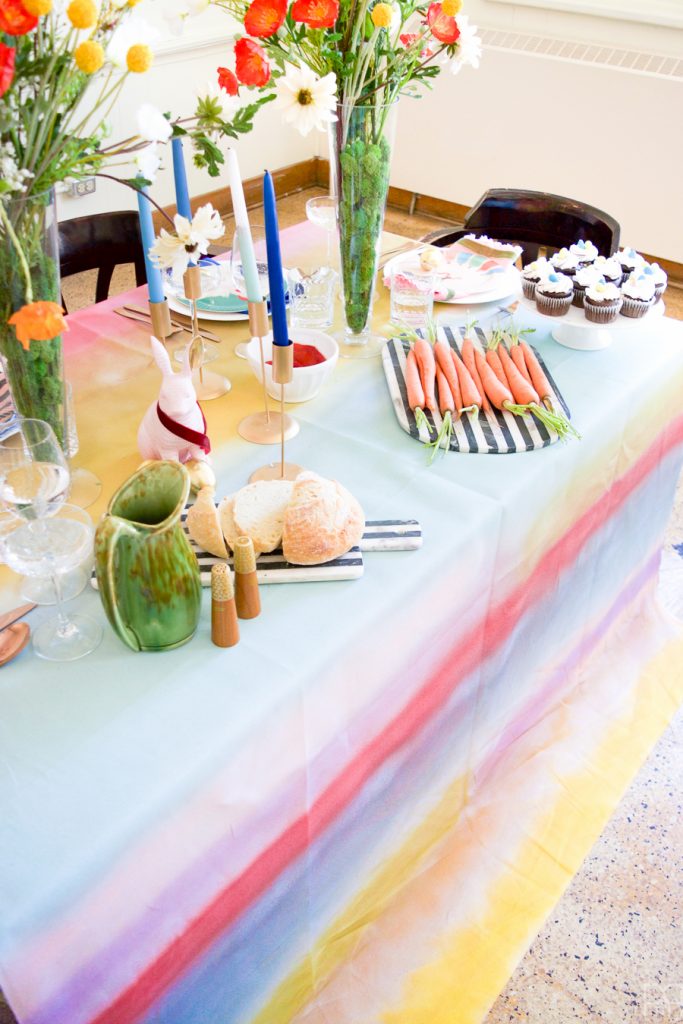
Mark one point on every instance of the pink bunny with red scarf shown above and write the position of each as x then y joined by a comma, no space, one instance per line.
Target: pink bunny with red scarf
174,428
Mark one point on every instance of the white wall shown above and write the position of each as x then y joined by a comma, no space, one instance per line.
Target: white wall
183,64
607,137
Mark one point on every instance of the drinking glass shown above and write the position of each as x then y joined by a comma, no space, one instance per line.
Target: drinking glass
311,296
412,297
322,211
51,547
85,487
34,474
237,269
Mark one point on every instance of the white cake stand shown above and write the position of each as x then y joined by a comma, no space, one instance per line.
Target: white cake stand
573,330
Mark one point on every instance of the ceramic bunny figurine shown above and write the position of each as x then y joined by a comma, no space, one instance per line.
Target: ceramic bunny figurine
174,428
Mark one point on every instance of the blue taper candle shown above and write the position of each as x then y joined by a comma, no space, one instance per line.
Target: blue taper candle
278,309
182,196
154,283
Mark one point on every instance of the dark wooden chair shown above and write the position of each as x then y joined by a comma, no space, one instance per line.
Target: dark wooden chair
101,242
534,220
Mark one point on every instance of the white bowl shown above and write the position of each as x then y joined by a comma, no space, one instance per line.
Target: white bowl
306,380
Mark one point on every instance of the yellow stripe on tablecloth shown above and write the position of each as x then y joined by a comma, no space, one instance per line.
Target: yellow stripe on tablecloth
477,962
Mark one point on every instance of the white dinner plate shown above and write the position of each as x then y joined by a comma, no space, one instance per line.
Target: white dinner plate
508,285
180,307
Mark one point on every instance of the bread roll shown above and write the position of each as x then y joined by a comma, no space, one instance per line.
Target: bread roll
256,511
322,521
203,524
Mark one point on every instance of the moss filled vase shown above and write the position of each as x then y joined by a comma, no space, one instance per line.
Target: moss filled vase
29,272
360,162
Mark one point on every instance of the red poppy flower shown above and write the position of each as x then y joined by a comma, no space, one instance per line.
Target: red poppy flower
15,19
6,67
251,63
228,81
264,17
444,28
316,13
409,38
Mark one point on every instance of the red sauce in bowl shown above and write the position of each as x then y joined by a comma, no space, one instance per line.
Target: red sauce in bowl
305,355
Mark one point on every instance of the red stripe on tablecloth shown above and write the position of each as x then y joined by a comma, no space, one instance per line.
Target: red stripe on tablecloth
487,636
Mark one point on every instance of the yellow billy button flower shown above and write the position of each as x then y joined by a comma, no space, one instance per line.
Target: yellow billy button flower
381,15
139,58
37,7
451,7
82,13
89,57
133,3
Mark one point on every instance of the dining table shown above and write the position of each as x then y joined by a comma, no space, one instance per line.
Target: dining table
364,811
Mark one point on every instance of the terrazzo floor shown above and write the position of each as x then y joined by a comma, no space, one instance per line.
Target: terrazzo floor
612,950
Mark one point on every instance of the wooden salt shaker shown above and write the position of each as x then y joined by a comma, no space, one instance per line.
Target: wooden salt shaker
247,598
225,631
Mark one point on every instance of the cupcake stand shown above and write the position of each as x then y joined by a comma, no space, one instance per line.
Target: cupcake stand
573,330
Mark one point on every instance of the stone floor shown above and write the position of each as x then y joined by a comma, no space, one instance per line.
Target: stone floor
612,950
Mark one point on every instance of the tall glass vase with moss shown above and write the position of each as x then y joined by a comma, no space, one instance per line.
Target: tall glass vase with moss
29,274
362,140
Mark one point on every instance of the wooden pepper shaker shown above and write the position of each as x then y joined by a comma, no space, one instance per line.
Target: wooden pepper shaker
247,598
225,631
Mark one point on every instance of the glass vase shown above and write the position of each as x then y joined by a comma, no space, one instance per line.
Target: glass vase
361,143
29,272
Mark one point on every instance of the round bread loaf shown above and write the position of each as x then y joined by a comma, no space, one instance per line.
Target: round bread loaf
322,521
203,525
256,511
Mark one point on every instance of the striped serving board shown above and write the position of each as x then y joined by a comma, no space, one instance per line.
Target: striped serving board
379,535
489,433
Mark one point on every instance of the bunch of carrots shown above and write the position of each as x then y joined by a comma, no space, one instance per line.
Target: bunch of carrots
505,376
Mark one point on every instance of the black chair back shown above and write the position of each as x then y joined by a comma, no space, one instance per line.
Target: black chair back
101,242
536,220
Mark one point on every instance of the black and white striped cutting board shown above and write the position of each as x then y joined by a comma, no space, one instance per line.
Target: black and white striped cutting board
489,433
380,535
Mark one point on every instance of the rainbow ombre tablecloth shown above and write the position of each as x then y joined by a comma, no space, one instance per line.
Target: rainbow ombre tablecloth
361,814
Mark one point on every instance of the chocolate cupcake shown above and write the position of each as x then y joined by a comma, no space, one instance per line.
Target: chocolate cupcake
659,276
585,277
567,263
532,274
609,268
554,294
630,261
585,251
638,293
602,302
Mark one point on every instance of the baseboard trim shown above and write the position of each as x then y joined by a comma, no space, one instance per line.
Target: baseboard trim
316,172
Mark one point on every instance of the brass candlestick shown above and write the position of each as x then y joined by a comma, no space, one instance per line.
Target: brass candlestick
211,385
161,319
264,427
283,365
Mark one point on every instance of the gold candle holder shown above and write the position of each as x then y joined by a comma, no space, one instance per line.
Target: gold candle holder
264,427
161,319
283,366
210,385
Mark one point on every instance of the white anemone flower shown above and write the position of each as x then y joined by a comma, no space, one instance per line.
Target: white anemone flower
152,125
191,239
469,46
129,33
148,162
307,101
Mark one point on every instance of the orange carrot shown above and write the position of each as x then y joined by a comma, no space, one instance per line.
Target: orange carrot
414,389
471,398
538,378
517,356
444,362
427,366
493,359
522,391
498,393
446,403
467,352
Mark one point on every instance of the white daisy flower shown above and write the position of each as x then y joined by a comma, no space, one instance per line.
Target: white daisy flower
148,162
129,33
152,125
469,46
191,239
307,101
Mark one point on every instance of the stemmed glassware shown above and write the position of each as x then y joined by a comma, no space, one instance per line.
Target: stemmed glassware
54,539
322,211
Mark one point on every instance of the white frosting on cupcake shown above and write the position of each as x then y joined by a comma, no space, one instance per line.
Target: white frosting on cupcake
584,250
630,258
588,275
556,284
603,291
566,261
560,255
659,276
539,268
609,267
639,286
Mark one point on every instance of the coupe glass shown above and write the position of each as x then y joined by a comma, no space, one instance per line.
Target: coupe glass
51,547
237,270
34,473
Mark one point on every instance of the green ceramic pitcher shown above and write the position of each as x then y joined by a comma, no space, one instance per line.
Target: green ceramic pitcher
147,573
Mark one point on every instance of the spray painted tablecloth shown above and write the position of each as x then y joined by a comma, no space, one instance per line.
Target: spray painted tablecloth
361,814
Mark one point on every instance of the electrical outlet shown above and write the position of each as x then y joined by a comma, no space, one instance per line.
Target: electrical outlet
83,188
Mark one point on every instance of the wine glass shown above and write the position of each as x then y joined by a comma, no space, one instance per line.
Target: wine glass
34,473
52,547
237,269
